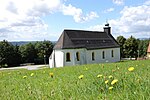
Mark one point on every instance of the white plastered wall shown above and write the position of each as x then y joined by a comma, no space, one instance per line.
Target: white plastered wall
99,56
56,59
85,57
73,58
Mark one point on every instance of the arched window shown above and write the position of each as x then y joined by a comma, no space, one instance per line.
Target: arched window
93,56
103,53
68,57
78,56
112,53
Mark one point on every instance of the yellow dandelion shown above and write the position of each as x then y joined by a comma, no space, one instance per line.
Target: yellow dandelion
99,75
110,76
104,77
51,75
80,77
131,69
106,82
110,88
24,76
114,81
86,68
31,74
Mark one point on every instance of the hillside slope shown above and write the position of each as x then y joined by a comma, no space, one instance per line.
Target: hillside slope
127,80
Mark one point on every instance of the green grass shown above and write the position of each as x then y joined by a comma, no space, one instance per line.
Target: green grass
65,85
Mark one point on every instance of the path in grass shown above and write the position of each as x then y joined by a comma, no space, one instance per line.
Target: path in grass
29,67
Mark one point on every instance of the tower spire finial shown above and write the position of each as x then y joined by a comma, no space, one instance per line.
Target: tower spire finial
106,21
107,24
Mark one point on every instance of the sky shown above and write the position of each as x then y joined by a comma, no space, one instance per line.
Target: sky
38,20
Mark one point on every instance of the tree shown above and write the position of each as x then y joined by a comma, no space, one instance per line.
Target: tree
44,50
142,47
131,47
28,53
37,52
121,40
9,55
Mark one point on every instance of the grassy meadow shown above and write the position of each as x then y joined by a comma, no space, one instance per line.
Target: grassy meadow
128,80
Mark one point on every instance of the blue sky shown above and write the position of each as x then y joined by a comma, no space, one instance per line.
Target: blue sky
37,20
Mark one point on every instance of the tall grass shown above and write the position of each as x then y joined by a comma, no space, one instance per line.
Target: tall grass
65,83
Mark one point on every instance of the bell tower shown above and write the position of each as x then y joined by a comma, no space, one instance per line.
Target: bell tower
107,29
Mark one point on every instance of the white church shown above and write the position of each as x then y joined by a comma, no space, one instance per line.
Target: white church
77,47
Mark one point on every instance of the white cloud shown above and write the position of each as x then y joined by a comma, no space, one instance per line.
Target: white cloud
133,21
118,2
109,10
77,13
147,2
96,28
22,19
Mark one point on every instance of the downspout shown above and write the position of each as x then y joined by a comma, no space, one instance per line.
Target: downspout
54,59
73,57
63,58
85,54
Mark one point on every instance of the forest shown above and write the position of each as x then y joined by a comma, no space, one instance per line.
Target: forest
33,52
132,47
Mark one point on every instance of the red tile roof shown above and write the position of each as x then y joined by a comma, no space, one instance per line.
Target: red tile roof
148,49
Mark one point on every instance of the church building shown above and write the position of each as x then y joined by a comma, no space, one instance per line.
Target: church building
77,47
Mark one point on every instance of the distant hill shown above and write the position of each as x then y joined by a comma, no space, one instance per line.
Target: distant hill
21,42
144,38
25,42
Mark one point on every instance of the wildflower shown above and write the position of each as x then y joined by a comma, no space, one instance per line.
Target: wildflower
51,75
31,74
104,77
106,81
80,77
110,76
110,88
99,75
86,68
114,81
131,69
24,76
